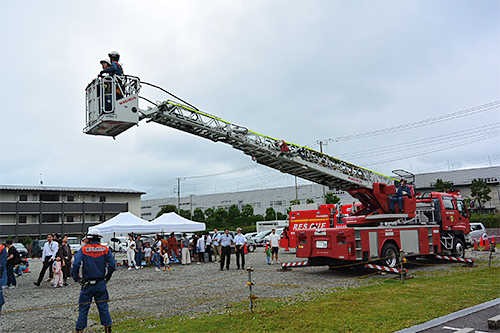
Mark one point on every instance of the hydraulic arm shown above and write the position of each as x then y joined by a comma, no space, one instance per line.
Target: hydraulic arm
304,162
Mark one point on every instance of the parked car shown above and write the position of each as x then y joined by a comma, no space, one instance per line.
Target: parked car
23,252
74,244
250,235
259,239
118,244
477,230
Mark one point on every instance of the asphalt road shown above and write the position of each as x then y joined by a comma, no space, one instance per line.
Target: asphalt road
475,317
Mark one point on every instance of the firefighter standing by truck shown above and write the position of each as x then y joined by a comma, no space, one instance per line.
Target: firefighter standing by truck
98,266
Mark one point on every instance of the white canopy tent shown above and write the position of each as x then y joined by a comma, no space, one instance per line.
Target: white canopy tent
125,223
171,222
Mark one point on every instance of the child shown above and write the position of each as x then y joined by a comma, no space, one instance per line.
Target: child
147,255
268,253
167,261
58,274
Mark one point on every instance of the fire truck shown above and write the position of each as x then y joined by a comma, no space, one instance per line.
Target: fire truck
432,223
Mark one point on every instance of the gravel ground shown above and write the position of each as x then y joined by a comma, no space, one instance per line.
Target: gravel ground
145,292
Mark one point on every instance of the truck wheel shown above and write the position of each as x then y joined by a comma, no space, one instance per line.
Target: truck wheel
458,248
251,248
390,255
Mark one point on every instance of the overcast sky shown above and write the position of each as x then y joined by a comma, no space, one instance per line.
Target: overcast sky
302,71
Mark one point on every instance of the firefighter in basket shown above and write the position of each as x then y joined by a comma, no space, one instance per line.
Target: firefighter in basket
98,265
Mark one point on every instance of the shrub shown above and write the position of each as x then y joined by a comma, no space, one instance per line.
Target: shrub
489,221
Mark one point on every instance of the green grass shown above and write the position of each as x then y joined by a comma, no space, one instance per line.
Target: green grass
386,305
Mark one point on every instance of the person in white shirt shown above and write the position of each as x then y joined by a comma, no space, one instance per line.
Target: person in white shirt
239,247
131,253
208,245
216,244
201,248
274,240
48,257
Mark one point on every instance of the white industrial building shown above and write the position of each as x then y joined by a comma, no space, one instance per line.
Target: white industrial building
279,198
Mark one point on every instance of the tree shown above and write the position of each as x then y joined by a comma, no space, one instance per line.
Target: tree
185,214
294,202
247,211
331,199
209,213
479,191
281,216
310,201
441,186
167,209
270,214
220,217
233,215
198,215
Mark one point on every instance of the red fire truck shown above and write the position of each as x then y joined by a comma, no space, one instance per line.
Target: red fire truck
432,223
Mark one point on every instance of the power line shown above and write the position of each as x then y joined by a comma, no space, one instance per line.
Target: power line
439,140
420,123
430,151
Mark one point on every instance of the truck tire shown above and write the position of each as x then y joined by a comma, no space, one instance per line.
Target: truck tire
390,255
458,248
250,248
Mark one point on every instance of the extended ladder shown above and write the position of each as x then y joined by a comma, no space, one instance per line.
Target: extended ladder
110,118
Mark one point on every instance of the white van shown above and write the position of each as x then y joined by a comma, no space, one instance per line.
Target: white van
74,244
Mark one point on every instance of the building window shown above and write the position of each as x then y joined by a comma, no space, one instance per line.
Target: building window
23,197
102,218
144,207
102,198
49,197
23,219
50,218
92,198
70,198
70,218
255,204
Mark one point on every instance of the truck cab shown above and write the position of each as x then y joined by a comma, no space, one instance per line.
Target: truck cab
450,213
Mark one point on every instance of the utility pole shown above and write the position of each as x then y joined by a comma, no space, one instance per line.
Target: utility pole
296,192
179,195
191,205
321,151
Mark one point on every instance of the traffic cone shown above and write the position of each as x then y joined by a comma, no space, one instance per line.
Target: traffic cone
481,243
476,248
493,240
486,245
246,249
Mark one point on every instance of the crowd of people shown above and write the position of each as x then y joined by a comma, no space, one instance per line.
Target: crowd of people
198,249
97,263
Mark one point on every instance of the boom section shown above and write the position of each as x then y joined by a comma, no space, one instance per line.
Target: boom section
286,157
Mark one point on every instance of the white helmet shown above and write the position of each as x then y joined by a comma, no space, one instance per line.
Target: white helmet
106,61
113,55
94,233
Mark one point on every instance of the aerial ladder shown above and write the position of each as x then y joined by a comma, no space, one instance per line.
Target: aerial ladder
440,224
112,107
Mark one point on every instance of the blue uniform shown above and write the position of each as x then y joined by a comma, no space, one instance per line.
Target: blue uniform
115,68
399,198
98,266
